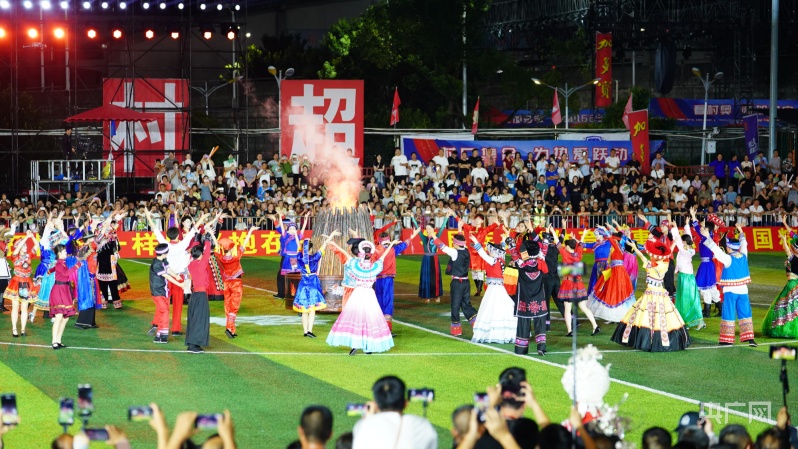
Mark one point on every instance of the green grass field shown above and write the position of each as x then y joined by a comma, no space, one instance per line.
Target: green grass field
270,373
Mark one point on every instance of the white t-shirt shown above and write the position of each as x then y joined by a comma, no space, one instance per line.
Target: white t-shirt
612,164
573,173
397,163
442,161
414,168
392,430
479,173
756,209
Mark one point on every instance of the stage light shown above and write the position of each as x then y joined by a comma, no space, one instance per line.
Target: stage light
180,6
249,35
59,33
145,5
117,33
27,4
238,7
202,6
219,6
175,35
33,33
231,35
162,5
104,5
91,33
2,33
86,5
64,5
207,34
122,5
149,34
4,4
46,4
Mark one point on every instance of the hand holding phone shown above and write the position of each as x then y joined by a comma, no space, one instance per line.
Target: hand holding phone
96,434
139,413
85,400
207,422
66,412
481,403
356,409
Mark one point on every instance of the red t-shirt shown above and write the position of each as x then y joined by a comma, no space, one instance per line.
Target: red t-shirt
198,270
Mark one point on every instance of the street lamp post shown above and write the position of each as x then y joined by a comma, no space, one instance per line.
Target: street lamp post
566,92
279,77
706,83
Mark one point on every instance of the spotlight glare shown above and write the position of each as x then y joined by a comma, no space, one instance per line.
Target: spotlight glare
202,6
64,5
46,4
2,33
162,5
117,33
91,33
104,5
249,35
86,5
4,4
180,6
27,4
149,34
122,5
33,33
175,35
145,5
238,7
231,34
219,6
59,33
207,35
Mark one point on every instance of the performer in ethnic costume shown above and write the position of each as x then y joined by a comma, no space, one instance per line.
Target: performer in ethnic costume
551,279
233,285
88,292
289,252
630,263
107,256
496,322
734,279
481,232
780,321
518,235
215,287
430,283
459,289
613,296
199,314
653,324
6,234
662,234
309,297
347,283
688,300
706,277
572,290
21,288
601,252
361,324
51,236
530,297
384,285
61,300
161,277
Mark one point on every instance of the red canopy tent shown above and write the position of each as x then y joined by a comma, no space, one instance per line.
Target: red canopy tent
110,112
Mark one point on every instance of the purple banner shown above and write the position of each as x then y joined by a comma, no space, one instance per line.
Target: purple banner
751,129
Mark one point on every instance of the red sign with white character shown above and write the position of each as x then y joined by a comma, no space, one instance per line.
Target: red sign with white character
321,114
136,145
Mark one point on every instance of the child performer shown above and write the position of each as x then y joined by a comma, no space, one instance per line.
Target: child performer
161,276
612,297
780,321
289,252
21,289
496,322
384,285
231,273
572,290
361,324
309,298
734,279
530,297
459,290
653,324
706,277
61,303
199,313
688,300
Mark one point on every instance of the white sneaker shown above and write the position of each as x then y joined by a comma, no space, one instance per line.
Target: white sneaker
31,316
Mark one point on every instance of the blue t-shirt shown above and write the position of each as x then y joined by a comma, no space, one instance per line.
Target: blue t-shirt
552,177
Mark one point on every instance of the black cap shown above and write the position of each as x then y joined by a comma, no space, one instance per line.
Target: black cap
687,420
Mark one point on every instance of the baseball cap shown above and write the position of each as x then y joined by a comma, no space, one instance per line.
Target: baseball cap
687,420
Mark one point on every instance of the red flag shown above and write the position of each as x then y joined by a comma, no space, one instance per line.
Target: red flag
638,121
626,111
604,69
475,120
556,117
395,108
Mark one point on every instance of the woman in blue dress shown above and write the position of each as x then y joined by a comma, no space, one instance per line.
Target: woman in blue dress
52,235
430,283
309,298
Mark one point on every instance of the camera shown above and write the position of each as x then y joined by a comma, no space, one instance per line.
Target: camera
356,409
140,413
783,352
577,269
420,395
207,421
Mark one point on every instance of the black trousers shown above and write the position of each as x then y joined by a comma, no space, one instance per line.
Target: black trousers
522,334
105,286
551,285
460,292
669,279
86,318
198,323
281,279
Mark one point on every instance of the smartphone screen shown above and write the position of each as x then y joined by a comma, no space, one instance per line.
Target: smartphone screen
207,421
355,409
421,395
140,413
481,403
96,434
85,400
783,352
9,412
66,412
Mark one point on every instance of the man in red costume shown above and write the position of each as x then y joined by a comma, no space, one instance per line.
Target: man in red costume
481,233
231,274
384,285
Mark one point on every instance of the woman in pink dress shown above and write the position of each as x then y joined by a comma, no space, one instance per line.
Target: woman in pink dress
62,304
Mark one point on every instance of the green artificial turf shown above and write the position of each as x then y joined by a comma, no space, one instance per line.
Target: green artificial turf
270,373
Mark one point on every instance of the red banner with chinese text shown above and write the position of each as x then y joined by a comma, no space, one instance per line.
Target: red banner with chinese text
638,133
168,100
604,69
320,114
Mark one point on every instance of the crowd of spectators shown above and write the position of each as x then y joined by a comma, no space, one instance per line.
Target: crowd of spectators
510,418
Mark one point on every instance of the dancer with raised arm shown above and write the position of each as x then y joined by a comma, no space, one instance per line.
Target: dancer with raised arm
61,302
361,325
496,321
530,296
21,289
459,289
781,320
706,277
481,232
232,271
430,282
688,300
572,290
309,297
612,294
